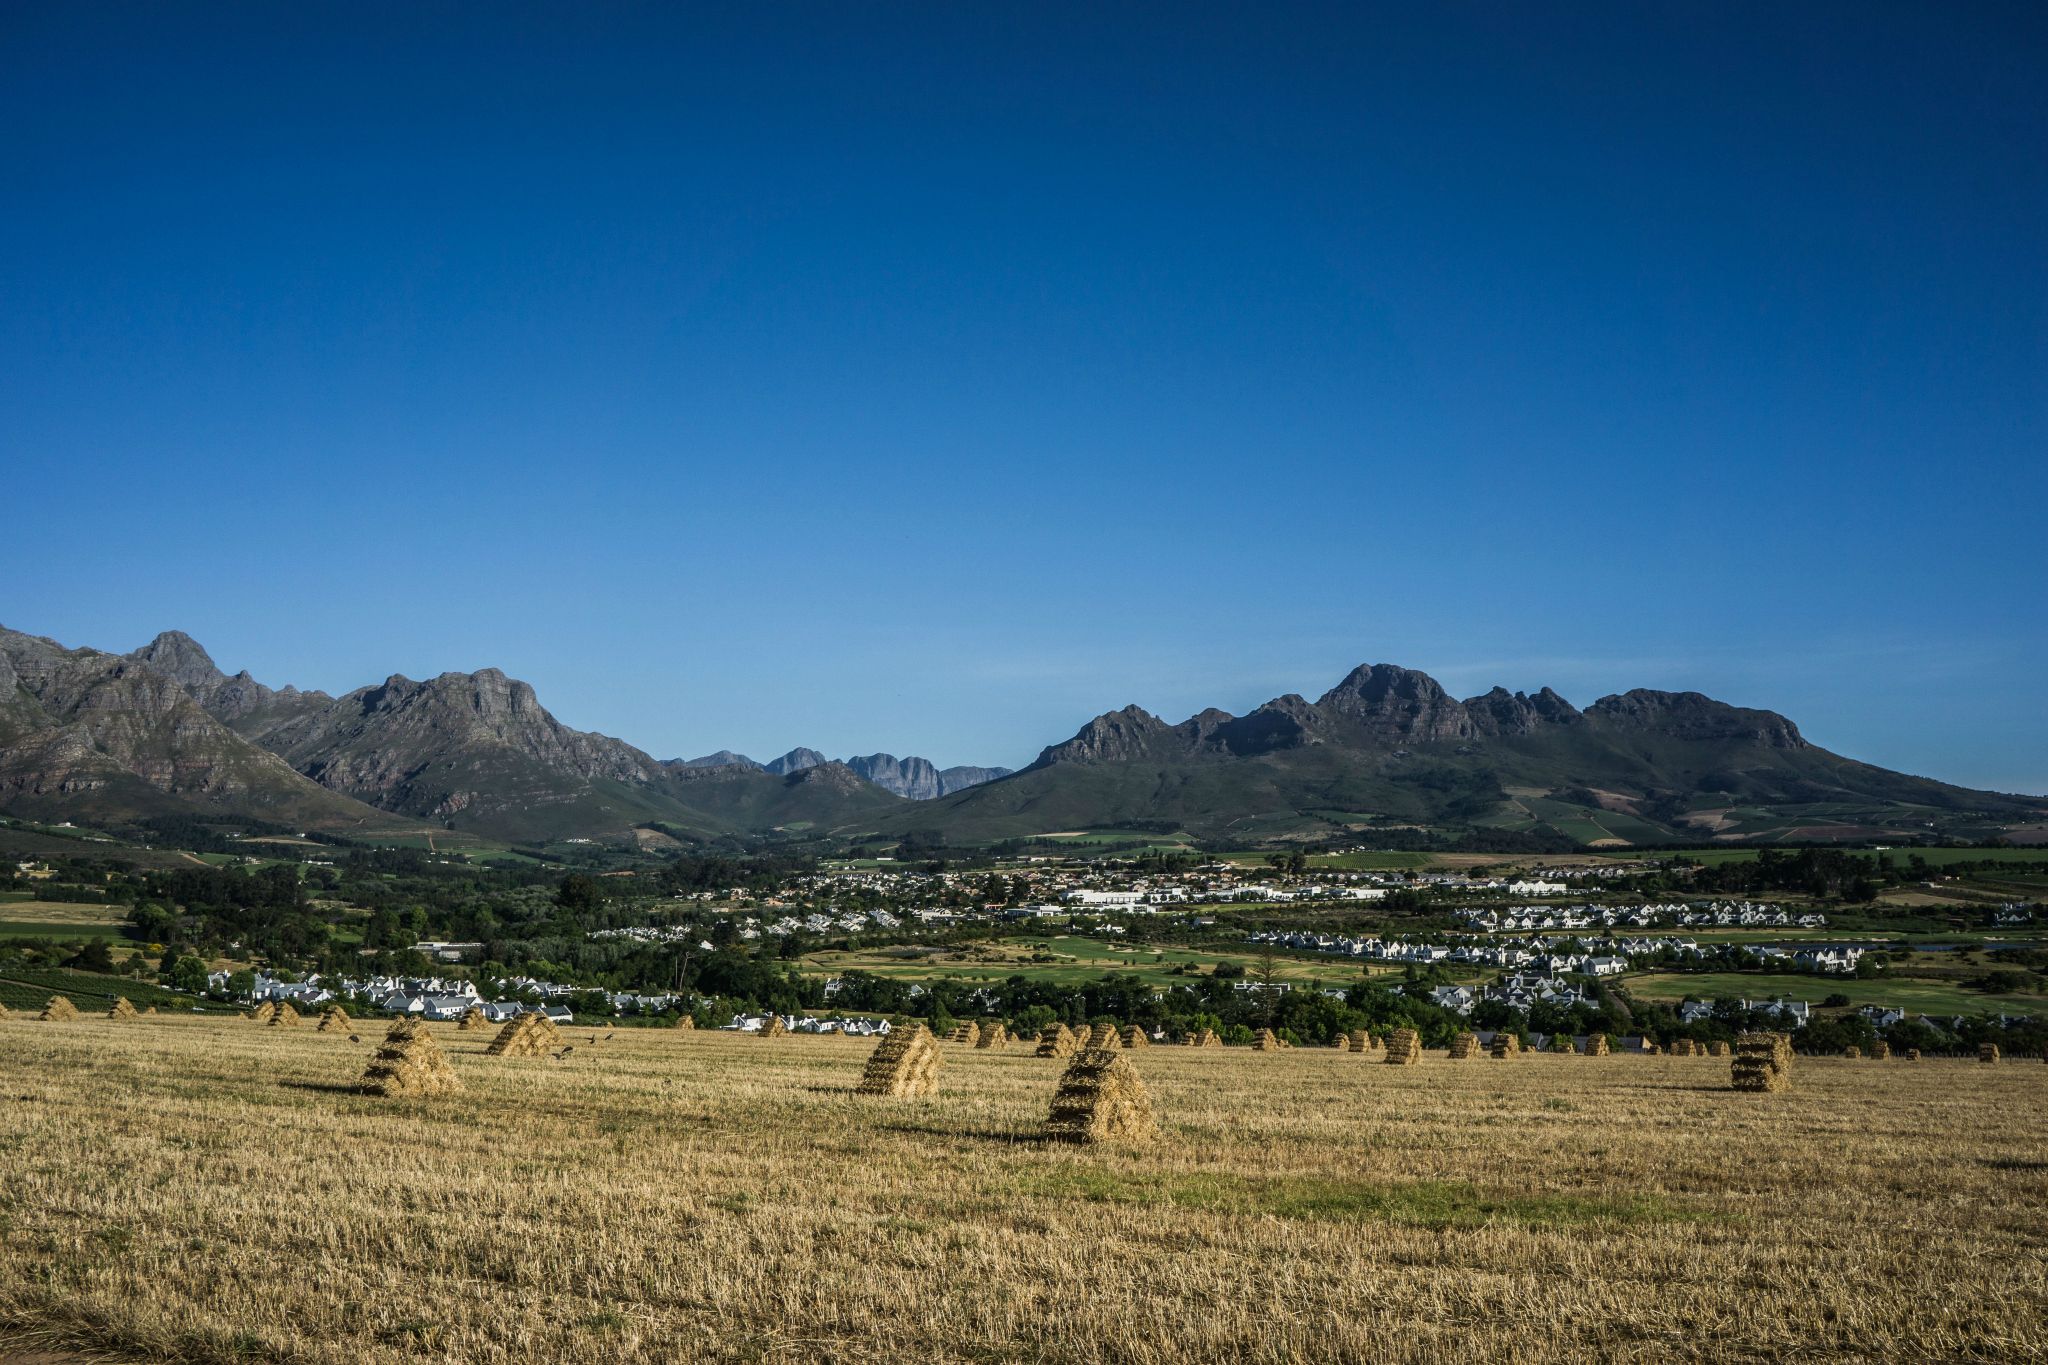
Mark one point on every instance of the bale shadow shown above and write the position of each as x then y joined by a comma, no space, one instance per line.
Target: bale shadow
1000,1139
324,1087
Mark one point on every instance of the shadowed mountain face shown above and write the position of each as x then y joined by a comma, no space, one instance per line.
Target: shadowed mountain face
107,735
1388,746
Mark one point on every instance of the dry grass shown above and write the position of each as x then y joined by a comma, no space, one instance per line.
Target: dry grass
221,1193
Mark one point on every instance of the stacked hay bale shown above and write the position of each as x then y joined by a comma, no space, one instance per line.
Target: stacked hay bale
993,1035
1464,1045
149,1013
1880,1051
334,1019
1987,1052
1912,1054
1763,1061
687,1022
958,1034
410,1062
1208,1037
58,1011
285,1016
1359,1040
771,1027
1596,1045
263,1013
1717,1048
1853,1052
1136,1037
529,1034
1101,1099
1058,1041
905,1065
1684,1047
1506,1044
1404,1047
122,1010
1266,1041
6,1013
472,1020
1562,1042
1102,1038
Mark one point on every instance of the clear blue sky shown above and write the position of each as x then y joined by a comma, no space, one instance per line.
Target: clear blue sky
932,379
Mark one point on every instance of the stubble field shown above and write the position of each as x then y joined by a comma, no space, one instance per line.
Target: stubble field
211,1190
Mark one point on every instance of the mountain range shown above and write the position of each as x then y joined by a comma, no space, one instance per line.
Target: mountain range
163,731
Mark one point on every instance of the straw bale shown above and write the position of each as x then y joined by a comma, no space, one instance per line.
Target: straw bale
1101,1099
904,1065
409,1063
1058,1041
1763,1062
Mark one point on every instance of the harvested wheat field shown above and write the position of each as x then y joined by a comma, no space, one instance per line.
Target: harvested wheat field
222,1193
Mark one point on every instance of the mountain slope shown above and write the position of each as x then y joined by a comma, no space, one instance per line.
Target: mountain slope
1389,746
105,736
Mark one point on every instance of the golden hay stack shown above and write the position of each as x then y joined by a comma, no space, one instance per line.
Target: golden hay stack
58,1010
1684,1047
685,1021
1880,1051
149,1013
1101,1099
993,1035
1717,1048
1102,1037
334,1019
1763,1062
1912,1054
472,1020
1266,1041
1464,1045
1136,1037
1596,1045
1506,1044
1058,1041
264,1012
6,1013
409,1062
1404,1047
122,1010
528,1034
1358,1040
771,1027
904,1065
285,1017
1853,1052
1987,1052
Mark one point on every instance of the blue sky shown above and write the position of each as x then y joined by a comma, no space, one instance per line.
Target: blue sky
931,379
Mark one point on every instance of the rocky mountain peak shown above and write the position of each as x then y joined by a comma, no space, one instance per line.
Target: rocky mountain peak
1392,704
795,761
1113,737
1694,716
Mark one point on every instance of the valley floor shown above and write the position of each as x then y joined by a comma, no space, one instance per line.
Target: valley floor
211,1190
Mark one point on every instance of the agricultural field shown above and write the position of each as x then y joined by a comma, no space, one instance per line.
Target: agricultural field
1914,994
23,916
221,1192
1068,960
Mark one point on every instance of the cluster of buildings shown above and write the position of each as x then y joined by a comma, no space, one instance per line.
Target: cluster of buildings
1712,915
